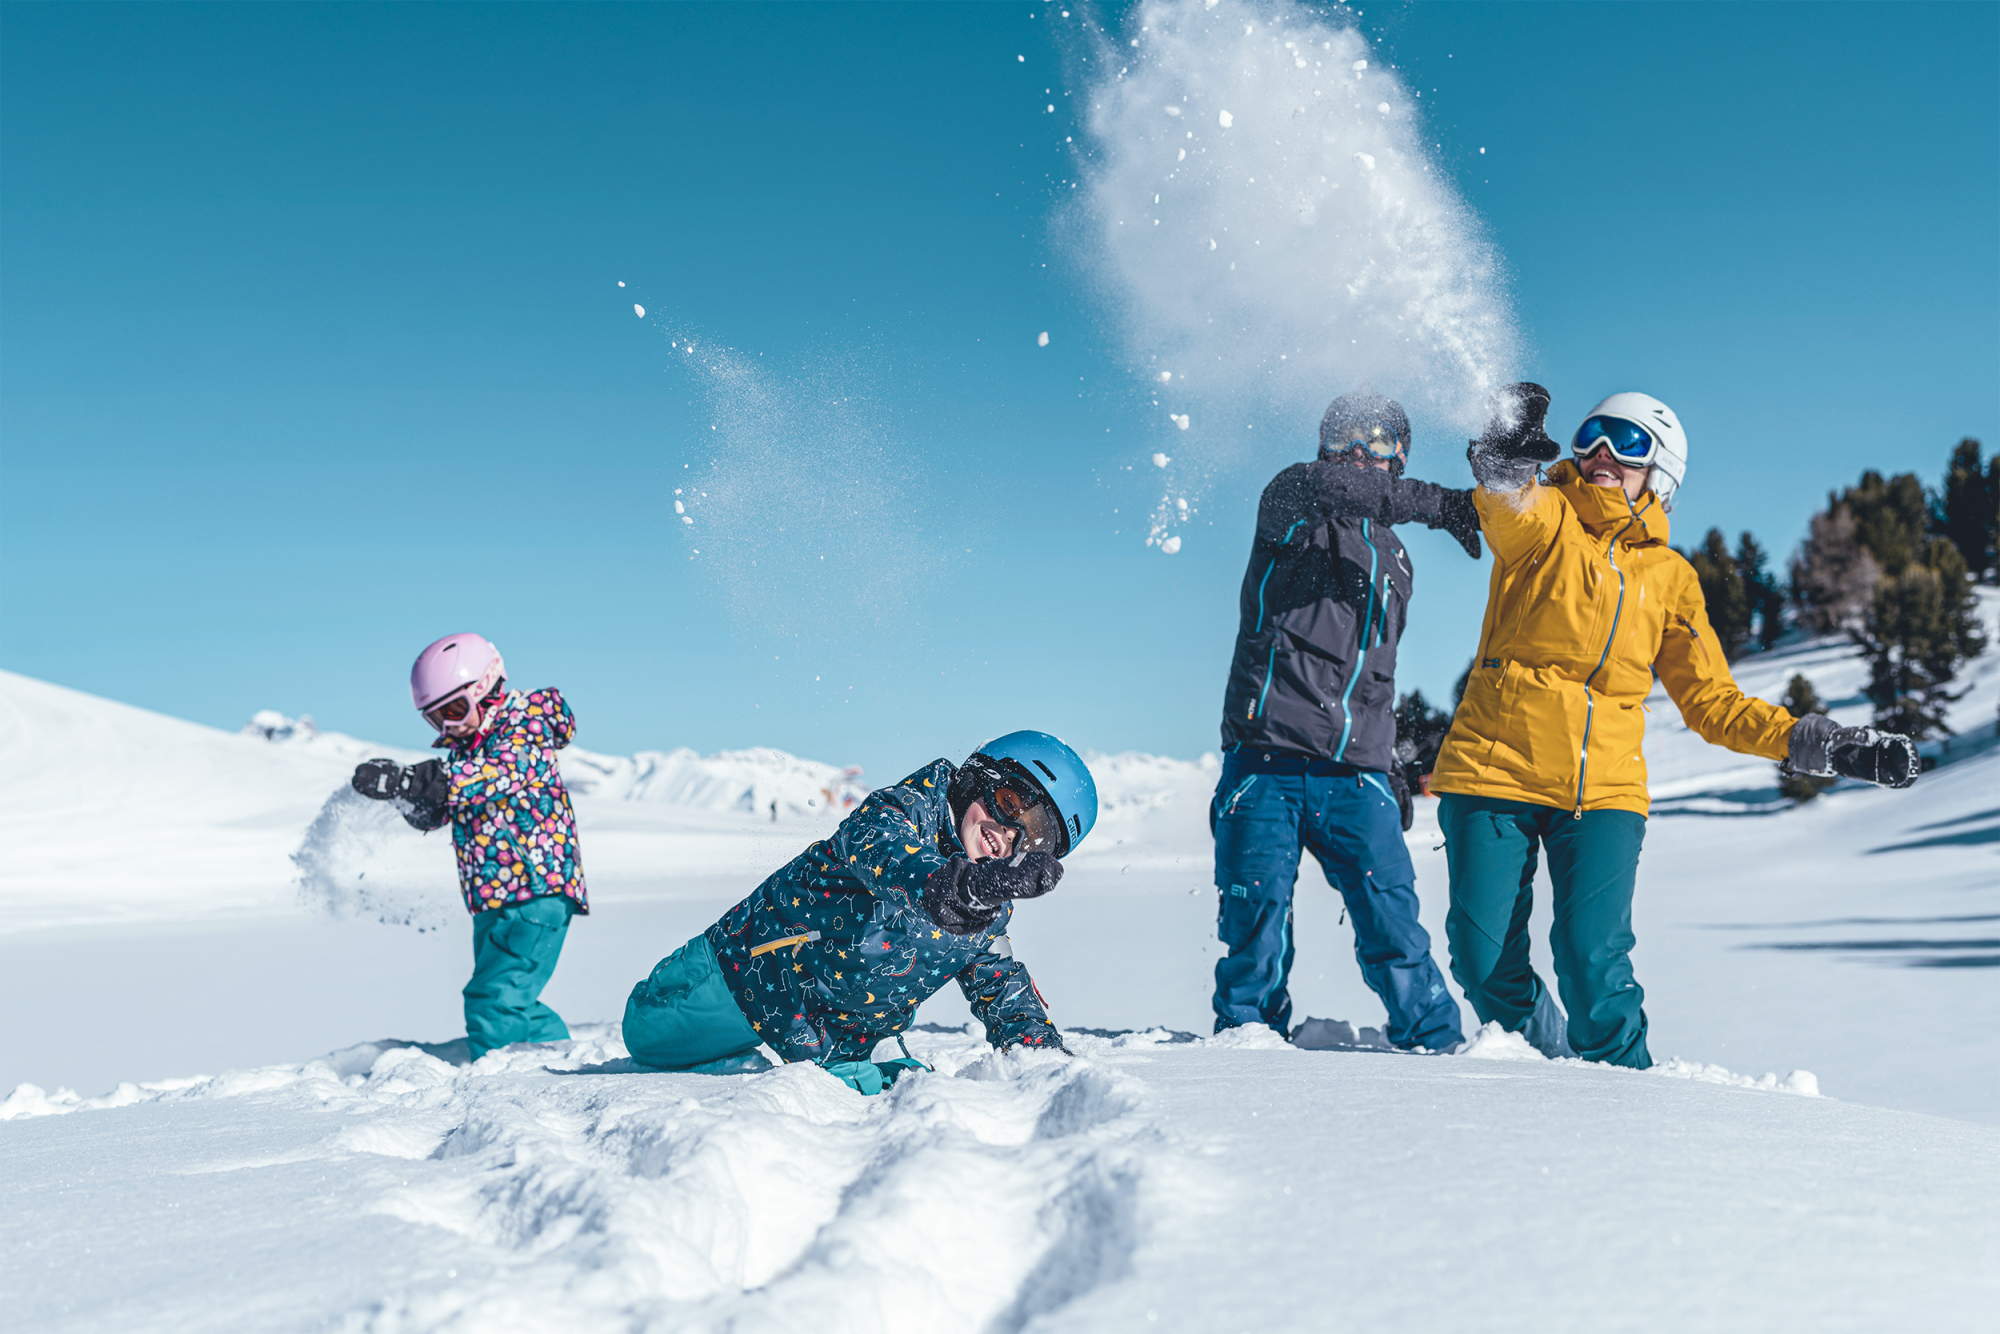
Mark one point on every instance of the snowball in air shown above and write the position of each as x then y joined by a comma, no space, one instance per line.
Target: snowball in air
1161,460
1366,159
680,508
1382,107
1171,545
1225,120
638,310
1166,376
621,284
686,519
1178,419
1043,339
1173,111
1360,64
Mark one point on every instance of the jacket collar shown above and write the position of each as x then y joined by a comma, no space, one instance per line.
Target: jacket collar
1603,510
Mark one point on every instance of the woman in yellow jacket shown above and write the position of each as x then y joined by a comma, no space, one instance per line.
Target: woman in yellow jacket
1587,604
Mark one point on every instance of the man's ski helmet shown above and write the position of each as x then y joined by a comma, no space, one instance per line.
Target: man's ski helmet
1056,771
456,664
1370,421
1670,449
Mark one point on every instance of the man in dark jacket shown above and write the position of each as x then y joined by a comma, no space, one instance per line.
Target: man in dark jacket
1308,726
838,948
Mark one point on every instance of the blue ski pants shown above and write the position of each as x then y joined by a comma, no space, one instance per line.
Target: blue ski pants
1491,846
514,950
682,1017
1266,810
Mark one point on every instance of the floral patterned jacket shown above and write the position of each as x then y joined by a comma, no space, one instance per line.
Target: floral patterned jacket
834,952
510,816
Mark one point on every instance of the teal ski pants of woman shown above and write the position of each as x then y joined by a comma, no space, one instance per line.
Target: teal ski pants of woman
1492,847
514,950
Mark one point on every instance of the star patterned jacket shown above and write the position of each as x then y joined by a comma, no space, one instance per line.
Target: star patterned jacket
511,820
834,952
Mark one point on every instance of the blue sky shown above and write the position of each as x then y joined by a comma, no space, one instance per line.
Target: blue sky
311,347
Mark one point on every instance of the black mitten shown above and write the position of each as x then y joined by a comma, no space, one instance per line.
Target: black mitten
1406,807
964,896
428,790
1514,443
378,780
1457,516
1820,746
422,789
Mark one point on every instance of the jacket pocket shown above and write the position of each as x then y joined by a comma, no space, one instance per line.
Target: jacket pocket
1539,739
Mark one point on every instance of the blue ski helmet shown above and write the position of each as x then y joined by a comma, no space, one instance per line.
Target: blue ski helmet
1054,768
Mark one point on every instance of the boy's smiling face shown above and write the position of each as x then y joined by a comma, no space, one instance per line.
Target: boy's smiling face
983,836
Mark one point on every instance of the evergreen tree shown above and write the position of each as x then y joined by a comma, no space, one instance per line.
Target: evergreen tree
1833,575
1722,591
1891,518
1920,626
1966,512
1799,700
1420,733
1760,586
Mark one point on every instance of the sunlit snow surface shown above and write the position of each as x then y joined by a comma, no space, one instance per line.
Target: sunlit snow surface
154,928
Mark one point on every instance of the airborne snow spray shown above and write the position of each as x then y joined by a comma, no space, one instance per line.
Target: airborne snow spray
1257,203
359,860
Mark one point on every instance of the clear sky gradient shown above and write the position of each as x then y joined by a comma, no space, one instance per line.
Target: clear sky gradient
312,349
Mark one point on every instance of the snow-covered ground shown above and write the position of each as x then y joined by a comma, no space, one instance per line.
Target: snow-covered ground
154,925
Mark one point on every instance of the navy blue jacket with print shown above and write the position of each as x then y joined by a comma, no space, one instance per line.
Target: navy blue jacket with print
855,953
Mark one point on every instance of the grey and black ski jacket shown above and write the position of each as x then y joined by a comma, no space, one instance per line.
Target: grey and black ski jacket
1324,602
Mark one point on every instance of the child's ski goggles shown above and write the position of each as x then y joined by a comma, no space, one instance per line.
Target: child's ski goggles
1377,441
457,707
1019,803
1631,443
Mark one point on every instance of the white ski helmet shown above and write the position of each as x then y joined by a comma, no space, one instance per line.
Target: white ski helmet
1669,461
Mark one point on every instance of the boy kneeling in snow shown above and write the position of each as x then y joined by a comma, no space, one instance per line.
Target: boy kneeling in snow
837,950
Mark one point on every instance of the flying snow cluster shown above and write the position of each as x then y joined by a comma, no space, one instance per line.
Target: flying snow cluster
1259,200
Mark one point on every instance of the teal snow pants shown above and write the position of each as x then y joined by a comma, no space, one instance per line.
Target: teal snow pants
682,1017
1491,847
514,949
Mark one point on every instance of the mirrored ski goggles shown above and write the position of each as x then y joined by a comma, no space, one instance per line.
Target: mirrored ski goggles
1377,441
1630,442
452,709
1021,806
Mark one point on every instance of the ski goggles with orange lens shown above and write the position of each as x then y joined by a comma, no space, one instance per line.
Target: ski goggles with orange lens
454,709
1020,805
1631,443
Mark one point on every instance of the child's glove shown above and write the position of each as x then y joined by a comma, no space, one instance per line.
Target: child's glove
1822,747
869,1078
964,896
422,789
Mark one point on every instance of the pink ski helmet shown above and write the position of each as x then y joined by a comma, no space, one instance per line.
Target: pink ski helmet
465,664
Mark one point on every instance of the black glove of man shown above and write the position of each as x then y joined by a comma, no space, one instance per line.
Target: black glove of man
1514,444
1822,747
1406,806
965,896
1457,516
423,788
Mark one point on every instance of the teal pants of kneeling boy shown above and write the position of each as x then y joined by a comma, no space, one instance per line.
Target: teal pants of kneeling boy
682,1017
514,950
1491,846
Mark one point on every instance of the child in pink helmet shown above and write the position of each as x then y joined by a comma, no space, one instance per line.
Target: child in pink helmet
511,823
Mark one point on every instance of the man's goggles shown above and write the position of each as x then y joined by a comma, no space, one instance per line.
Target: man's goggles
1630,442
1377,441
1018,802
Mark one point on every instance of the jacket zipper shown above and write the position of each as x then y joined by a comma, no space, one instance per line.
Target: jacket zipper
1361,643
1270,663
1589,704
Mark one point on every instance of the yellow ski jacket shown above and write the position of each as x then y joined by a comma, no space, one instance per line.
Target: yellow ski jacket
1587,602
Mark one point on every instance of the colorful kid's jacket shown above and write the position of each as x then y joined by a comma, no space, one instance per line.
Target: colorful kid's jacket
509,811
854,952
1587,603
